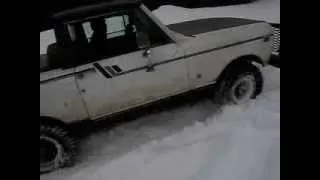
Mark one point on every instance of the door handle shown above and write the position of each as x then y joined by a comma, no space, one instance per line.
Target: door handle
150,65
146,53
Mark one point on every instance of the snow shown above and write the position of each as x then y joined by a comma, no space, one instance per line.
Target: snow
266,10
194,141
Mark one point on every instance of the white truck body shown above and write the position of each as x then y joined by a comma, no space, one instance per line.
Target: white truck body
189,62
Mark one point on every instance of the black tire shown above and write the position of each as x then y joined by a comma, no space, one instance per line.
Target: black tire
227,91
57,147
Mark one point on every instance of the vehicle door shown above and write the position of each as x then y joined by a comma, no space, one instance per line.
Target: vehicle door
130,64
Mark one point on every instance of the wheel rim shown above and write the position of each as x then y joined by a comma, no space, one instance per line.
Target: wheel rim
243,89
50,154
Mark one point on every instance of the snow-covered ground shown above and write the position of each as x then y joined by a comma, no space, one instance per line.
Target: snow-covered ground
193,142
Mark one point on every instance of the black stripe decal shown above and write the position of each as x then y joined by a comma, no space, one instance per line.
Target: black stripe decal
100,68
103,72
195,54
225,46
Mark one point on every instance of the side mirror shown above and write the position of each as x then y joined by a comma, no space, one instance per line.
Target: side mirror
143,40
144,43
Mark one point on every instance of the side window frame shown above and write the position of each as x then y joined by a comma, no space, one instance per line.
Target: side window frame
149,22
148,14
62,40
104,16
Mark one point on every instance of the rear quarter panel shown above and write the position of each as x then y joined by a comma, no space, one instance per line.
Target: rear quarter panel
209,53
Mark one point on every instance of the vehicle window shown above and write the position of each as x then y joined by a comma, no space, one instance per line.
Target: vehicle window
98,38
111,35
118,33
54,49
115,27
46,38
107,36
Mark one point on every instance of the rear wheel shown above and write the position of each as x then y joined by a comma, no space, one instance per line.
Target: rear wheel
57,147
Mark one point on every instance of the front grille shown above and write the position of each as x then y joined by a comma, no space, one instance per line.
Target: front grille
276,37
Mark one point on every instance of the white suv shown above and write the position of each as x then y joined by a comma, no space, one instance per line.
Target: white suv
101,59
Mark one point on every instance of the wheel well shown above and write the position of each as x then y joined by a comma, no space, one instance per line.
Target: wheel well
238,63
78,129
52,121
247,59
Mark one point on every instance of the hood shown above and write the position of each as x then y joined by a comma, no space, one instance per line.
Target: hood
190,28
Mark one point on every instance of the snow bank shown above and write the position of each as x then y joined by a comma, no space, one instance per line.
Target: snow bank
266,10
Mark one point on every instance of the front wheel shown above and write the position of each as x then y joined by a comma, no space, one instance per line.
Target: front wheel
240,85
242,89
